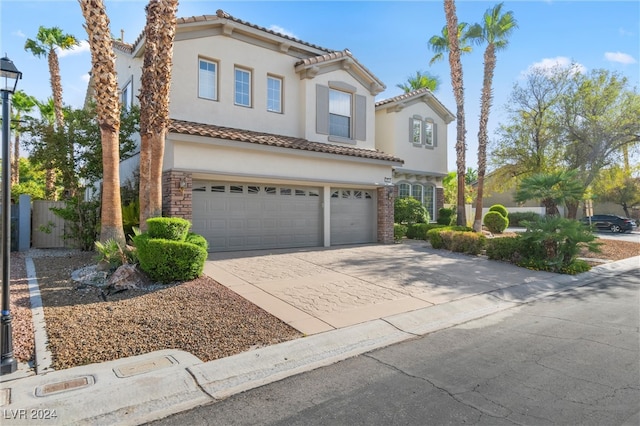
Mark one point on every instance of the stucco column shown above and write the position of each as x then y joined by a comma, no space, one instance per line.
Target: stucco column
177,191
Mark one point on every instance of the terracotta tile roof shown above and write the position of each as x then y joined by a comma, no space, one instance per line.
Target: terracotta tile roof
125,47
227,133
220,14
445,112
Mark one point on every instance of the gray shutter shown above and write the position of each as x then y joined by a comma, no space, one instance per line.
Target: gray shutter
410,129
361,118
322,109
435,135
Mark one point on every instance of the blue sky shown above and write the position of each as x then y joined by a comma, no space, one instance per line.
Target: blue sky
388,37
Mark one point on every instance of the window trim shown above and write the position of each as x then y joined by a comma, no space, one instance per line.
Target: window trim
237,69
215,79
126,98
423,122
280,93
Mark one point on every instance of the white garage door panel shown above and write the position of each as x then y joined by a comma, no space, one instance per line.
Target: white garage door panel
353,216
252,216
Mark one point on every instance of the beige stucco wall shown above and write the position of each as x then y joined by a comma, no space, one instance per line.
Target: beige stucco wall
392,137
236,160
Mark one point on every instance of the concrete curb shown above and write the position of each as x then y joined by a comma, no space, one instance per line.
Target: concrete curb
43,357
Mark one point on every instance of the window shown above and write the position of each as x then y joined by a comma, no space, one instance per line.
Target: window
339,114
416,192
416,131
404,190
274,94
243,87
127,95
428,132
422,131
424,193
208,80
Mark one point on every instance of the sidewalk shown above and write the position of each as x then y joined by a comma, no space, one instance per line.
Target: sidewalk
143,388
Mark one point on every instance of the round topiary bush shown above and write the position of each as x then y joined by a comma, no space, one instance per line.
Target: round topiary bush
495,222
168,261
168,228
500,209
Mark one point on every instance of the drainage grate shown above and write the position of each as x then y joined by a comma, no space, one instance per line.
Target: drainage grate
142,367
67,385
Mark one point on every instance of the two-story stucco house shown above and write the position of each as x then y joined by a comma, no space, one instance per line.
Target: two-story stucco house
275,142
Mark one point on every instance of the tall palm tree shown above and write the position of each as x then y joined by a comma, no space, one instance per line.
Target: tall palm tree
454,42
155,88
45,44
421,80
496,28
21,104
103,70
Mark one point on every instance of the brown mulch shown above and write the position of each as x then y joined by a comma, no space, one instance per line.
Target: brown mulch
200,316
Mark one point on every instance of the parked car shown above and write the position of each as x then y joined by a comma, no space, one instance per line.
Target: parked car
610,222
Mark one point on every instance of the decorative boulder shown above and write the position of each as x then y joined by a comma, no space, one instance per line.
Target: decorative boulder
127,277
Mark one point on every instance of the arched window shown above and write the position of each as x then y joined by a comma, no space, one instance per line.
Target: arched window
426,194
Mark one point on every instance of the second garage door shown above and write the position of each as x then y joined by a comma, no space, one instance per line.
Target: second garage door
353,216
241,216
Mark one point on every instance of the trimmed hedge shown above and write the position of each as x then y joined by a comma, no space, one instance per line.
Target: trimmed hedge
445,215
442,237
495,222
168,228
500,209
517,218
399,231
167,261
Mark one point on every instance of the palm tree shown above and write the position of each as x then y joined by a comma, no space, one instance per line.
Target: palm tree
454,43
440,43
107,99
46,42
420,81
155,87
496,29
21,104
551,189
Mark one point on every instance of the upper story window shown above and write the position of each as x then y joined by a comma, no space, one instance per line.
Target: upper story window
127,95
242,87
208,80
274,94
422,131
339,114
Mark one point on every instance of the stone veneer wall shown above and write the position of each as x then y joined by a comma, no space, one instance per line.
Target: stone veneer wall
439,200
386,197
177,191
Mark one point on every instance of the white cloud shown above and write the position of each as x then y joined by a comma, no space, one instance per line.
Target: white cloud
624,33
279,29
19,34
619,57
85,77
76,50
547,65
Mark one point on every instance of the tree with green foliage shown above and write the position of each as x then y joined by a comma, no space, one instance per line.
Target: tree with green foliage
551,189
616,186
421,80
495,29
21,104
31,181
408,210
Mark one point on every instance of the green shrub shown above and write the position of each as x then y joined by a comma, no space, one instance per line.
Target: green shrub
467,242
168,261
518,218
495,222
112,253
576,267
500,209
399,231
435,238
198,240
130,217
508,249
418,231
82,222
168,228
408,210
444,216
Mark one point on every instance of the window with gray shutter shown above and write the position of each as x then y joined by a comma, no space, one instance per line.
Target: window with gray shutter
361,118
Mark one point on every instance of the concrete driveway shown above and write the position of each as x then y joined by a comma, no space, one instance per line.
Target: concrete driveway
320,289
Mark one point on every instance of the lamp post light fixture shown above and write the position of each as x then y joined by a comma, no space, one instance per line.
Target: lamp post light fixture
9,76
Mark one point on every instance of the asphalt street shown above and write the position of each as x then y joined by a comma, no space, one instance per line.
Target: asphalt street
571,358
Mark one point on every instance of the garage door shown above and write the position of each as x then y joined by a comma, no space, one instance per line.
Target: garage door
241,216
353,216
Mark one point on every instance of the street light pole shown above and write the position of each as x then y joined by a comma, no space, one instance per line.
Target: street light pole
9,76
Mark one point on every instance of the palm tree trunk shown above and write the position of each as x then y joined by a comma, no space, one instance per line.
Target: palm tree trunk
111,210
458,91
486,101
